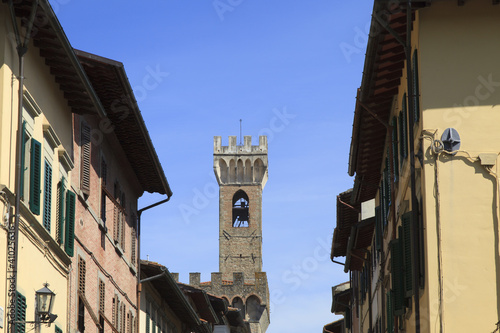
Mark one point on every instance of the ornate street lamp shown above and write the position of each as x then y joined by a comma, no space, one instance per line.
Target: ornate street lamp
44,302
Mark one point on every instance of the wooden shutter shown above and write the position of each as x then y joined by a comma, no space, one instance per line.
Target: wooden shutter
405,127
147,322
416,92
116,224
407,249
395,159
47,196
378,229
397,276
82,270
35,176
20,314
85,159
390,312
347,318
70,223
23,158
61,190
102,296
58,329
122,230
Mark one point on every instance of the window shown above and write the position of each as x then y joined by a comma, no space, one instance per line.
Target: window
69,239
81,275
240,209
58,329
47,196
61,191
133,253
85,159
102,296
415,88
81,315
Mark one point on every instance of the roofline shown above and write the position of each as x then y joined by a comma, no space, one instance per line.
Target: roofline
171,282
136,111
56,25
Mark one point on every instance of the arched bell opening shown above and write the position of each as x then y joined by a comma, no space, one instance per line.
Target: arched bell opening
241,216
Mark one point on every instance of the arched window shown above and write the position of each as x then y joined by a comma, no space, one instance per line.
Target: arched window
248,171
232,171
240,209
238,303
258,170
254,309
223,170
240,171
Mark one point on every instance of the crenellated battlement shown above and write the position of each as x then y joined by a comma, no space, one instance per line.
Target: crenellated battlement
240,165
238,287
246,148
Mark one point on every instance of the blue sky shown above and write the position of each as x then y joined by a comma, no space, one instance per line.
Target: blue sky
289,69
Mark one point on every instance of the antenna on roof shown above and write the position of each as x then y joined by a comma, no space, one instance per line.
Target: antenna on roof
240,131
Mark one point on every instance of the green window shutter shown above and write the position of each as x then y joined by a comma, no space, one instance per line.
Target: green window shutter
58,330
416,93
389,312
147,322
20,314
61,190
401,141
23,158
388,186
378,229
405,127
35,176
47,196
395,160
408,271
397,276
70,223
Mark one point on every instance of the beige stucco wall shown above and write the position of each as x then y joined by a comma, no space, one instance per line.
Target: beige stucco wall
458,52
37,262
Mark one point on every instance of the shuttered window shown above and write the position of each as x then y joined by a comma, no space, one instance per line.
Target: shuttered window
115,312
103,206
378,229
82,270
397,276
394,146
408,271
69,239
85,159
133,253
416,92
47,196
390,312
23,158
403,131
147,322
102,296
35,176
60,211
20,314
58,329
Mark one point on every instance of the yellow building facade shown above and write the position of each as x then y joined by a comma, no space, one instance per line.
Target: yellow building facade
54,88
419,229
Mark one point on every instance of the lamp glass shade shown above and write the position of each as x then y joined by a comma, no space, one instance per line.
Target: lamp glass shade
44,300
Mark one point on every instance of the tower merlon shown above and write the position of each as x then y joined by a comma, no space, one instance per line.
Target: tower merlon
194,279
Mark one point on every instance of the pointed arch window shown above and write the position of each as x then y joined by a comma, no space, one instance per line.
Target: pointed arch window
240,210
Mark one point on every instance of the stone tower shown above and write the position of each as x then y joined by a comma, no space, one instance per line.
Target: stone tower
241,172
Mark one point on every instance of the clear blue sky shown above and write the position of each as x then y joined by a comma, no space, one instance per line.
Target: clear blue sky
289,69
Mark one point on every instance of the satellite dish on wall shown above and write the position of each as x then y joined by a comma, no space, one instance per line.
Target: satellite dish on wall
451,140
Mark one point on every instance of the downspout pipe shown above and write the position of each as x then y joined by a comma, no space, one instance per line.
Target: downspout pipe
22,49
139,285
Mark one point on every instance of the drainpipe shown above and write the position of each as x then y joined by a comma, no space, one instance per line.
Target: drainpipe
139,284
414,201
22,48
